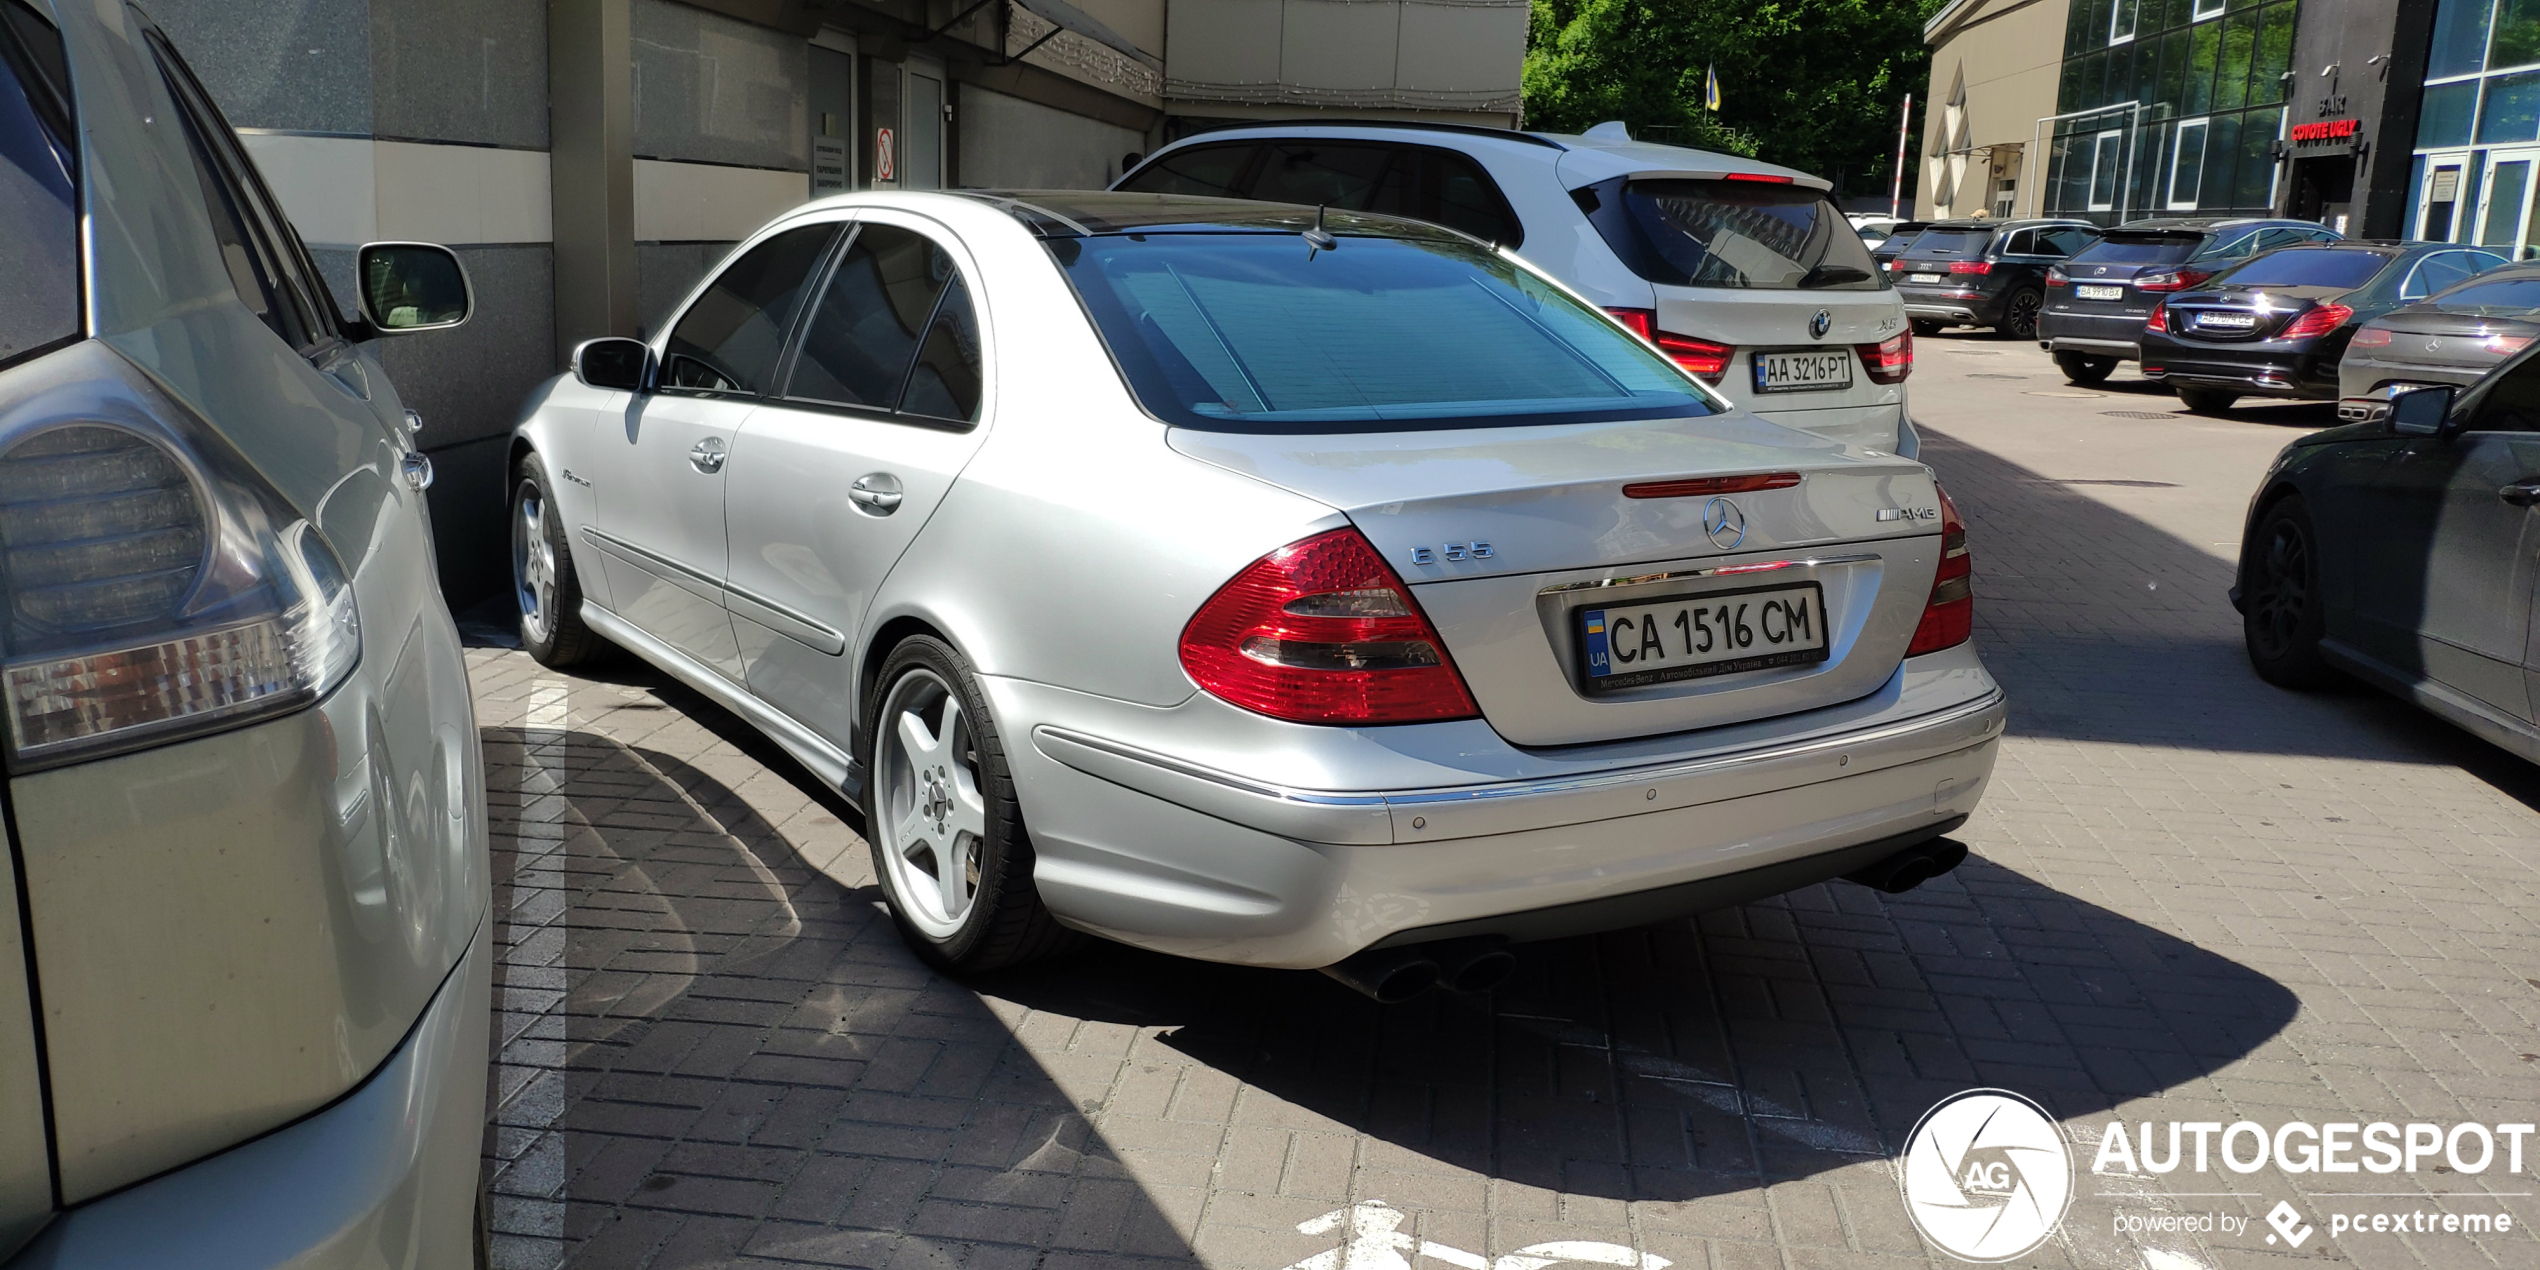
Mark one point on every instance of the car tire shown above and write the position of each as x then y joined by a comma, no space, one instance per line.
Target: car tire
941,817
544,583
2019,314
2086,369
2207,401
2282,617
1925,328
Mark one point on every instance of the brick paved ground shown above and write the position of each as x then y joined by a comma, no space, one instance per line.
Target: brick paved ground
2192,897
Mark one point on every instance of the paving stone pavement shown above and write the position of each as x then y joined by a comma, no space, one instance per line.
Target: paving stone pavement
2192,897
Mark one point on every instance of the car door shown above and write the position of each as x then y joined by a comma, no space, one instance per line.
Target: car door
829,482
2466,499
659,527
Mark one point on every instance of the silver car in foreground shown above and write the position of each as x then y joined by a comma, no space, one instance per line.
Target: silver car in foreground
2453,336
244,1021
1257,583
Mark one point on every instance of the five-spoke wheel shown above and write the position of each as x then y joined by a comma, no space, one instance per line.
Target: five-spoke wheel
543,581
928,810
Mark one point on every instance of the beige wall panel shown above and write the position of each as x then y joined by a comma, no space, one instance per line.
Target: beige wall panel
1141,21
1328,44
1462,48
1227,41
702,202
1010,143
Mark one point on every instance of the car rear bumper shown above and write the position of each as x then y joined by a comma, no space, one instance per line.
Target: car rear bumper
2100,334
2359,375
1951,304
385,1176
1140,845
2253,372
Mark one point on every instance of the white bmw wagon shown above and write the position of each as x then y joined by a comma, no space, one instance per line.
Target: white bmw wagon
1256,583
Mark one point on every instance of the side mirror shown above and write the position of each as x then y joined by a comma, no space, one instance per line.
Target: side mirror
408,287
613,362
2421,411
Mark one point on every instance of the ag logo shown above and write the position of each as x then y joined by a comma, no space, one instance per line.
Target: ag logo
1987,1175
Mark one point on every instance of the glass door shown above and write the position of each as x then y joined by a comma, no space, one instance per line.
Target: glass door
2509,202
2439,201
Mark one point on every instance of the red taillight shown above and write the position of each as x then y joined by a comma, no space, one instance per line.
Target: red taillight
1970,266
1699,357
2058,278
1895,265
1766,177
2177,280
2371,337
2319,321
2159,321
1320,631
1890,360
1949,616
1700,486
2505,345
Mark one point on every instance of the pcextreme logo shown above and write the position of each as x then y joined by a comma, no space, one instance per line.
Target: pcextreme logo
1987,1175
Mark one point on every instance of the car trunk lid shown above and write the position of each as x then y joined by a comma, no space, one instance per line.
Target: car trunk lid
1510,537
2241,314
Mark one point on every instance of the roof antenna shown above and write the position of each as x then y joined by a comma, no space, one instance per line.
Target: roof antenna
1319,238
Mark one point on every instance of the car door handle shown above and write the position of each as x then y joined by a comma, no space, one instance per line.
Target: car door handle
2523,495
876,492
707,455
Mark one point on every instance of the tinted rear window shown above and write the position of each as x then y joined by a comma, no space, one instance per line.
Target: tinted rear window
2499,296
1240,332
1961,242
1743,234
2136,251
2308,267
39,196
1211,171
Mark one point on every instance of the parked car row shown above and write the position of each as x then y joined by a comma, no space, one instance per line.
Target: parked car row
1264,563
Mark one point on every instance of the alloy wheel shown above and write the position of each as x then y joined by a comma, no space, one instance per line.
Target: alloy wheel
933,821
2021,322
2283,591
533,563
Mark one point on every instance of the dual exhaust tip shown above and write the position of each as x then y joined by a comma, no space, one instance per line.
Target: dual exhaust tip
1479,963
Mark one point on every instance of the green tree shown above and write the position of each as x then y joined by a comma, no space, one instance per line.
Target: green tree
1809,84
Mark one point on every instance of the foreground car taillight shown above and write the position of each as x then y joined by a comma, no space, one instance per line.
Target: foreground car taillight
157,588
2319,321
1949,616
2175,280
2369,337
1702,358
2505,345
1890,360
1321,631
2158,320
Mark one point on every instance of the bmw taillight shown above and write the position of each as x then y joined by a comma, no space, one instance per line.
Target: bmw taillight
157,588
1321,631
1970,266
1949,615
2175,280
2319,321
2158,321
1704,359
1890,360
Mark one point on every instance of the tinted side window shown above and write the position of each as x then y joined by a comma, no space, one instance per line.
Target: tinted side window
729,340
2063,242
2023,243
2226,247
2440,270
1214,171
1334,174
1445,188
2269,240
944,384
266,262
862,336
39,195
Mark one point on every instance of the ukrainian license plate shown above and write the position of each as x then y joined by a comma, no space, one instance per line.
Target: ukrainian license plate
1813,370
2088,292
1922,277
1698,636
2226,321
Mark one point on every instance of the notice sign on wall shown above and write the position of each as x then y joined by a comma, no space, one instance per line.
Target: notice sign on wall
885,166
2325,130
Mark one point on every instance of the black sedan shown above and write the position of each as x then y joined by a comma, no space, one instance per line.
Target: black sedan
2399,552
2097,301
2277,325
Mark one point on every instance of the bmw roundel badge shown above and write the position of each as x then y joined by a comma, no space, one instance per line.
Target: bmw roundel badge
1820,324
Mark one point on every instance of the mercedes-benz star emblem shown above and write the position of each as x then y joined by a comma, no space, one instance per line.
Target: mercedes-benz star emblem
1725,524
1820,324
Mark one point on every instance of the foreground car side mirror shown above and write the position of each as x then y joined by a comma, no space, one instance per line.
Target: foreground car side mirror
409,287
2421,411
613,362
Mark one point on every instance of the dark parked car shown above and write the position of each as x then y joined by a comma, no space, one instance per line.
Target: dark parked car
1899,237
2097,302
1984,272
2277,325
2399,552
2453,336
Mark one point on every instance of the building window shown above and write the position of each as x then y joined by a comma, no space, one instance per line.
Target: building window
2515,40
2208,9
2104,162
2460,38
2187,165
2121,22
2512,109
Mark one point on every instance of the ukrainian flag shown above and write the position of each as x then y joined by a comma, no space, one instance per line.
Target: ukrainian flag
1711,88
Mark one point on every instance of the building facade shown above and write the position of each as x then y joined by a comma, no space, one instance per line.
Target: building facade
1995,69
590,159
2477,135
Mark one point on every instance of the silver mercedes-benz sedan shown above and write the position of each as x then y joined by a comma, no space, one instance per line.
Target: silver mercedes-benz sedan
1257,583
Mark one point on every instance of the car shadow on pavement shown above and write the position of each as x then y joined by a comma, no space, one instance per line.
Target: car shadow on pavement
2103,627
708,1053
